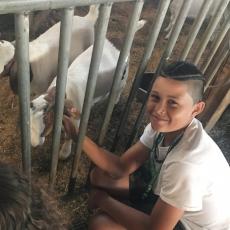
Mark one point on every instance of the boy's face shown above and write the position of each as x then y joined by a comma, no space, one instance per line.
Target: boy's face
170,106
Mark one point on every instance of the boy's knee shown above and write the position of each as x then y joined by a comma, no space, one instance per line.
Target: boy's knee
94,176
103,222
97,223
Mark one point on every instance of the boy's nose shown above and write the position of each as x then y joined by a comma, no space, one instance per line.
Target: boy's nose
160,109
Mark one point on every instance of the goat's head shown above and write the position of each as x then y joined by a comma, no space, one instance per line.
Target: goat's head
7,52
42,114
8,64
13,77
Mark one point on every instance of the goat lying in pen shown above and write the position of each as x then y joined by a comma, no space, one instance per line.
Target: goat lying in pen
43,52
20,210
77,77
196,5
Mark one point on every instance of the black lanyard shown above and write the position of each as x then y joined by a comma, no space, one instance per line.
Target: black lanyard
152,161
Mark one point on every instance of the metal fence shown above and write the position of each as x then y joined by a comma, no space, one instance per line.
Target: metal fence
21,8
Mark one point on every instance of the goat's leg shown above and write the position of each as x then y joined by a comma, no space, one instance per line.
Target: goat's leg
65,150
12,100
168,28
123,83
171,24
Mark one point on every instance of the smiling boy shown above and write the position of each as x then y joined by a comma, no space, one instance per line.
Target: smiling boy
175,161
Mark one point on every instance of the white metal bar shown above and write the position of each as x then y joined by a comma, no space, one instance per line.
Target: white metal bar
195,28
216,68
63,62
209,31
155,29
23,71
175,33
225,28
101,29
124,55
16,6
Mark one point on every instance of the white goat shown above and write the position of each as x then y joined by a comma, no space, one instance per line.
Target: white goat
43,52
75,91
6,53
176,5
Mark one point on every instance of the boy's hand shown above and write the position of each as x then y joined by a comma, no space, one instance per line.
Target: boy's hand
69,127
70,110
96,198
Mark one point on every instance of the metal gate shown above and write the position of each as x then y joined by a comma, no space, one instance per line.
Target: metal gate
21,9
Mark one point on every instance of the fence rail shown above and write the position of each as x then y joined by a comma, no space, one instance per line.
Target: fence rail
21,8
17,6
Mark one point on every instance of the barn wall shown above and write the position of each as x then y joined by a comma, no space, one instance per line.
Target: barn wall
219,86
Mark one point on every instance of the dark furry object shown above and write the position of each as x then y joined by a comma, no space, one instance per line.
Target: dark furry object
20,210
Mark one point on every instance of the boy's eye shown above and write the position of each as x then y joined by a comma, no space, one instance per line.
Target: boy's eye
155,98
172,103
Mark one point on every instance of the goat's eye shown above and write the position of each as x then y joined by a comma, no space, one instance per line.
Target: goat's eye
45,108
32,105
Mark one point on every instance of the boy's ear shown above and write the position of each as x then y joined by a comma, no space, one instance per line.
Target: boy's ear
198,108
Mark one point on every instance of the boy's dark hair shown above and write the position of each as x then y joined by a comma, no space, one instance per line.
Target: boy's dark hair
189,73
22,210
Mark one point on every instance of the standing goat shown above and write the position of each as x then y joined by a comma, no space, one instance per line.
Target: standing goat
43,52
75,91
176,5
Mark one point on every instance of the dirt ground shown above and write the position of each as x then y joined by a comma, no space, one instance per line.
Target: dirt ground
74,209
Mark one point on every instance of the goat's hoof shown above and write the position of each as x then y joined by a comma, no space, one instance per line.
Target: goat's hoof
166,37
63,155
166,30
65,150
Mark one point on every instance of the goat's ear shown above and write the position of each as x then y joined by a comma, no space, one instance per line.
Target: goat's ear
13,43
69,128
13,79
70,110
7,67
49,120
50,97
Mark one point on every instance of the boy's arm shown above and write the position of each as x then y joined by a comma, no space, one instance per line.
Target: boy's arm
114,165
163,216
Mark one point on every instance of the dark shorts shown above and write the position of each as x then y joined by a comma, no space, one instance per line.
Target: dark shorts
135,196
144,205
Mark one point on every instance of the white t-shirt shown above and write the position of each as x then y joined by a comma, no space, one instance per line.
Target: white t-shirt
195,177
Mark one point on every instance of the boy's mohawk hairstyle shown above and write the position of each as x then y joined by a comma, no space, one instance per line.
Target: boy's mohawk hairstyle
182,71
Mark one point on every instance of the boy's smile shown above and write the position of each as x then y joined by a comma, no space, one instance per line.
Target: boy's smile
170,105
